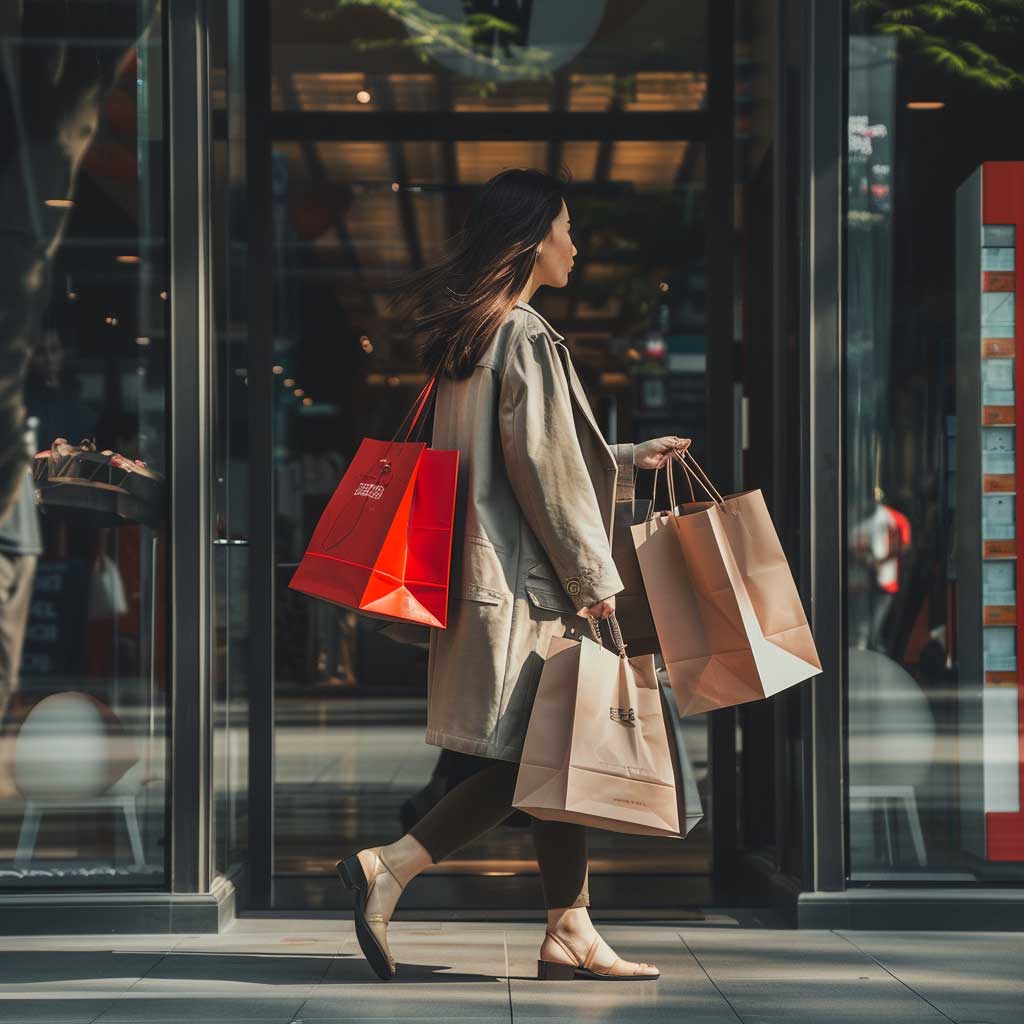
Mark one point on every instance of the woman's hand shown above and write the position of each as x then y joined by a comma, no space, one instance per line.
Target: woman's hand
602,610
655,453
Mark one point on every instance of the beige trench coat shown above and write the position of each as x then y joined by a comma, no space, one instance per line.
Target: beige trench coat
533,525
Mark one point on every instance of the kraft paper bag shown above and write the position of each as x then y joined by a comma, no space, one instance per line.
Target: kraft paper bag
597,750
632,608
725,604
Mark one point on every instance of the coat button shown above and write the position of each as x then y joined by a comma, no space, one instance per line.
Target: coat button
572,586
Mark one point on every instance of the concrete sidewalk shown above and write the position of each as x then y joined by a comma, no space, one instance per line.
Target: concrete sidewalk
282,970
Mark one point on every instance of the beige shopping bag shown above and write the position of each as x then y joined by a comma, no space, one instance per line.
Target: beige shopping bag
729,617
597,750
632,607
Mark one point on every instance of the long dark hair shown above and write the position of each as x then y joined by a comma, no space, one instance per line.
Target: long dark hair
457,305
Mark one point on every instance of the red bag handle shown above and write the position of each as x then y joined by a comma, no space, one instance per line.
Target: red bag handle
428,391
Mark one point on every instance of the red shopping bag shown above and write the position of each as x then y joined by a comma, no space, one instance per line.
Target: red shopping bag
383,545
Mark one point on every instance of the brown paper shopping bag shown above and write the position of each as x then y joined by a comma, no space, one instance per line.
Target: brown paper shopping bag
597,750
729,617
632,607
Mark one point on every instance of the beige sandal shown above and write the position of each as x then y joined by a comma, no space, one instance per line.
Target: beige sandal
371,929
620,970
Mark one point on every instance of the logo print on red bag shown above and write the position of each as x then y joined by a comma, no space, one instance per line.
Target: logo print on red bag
374,491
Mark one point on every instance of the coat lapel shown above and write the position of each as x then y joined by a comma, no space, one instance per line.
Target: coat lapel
575,385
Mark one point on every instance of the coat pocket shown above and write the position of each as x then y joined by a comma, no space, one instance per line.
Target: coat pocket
483,577
480,593
544,591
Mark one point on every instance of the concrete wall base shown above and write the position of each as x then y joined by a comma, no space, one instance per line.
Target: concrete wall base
982,910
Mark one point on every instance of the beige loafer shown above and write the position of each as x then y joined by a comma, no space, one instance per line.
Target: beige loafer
371,929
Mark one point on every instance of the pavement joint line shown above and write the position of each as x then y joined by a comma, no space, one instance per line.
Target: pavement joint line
696,958
909,988
121,995
508,978
336,955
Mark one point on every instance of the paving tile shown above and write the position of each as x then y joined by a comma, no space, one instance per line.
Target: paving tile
317,945
778,954
157,1009
98,943
421,998
498,1017
476,956
31,971
72,1008
968,976
226,972
813,1001
269,924
683,991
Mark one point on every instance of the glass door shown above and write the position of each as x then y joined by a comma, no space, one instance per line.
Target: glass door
379,138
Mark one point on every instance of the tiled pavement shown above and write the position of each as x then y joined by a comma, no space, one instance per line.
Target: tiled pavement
282,971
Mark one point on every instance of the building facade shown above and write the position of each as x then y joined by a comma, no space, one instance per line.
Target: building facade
796,226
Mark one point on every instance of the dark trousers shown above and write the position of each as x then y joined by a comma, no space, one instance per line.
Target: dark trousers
484,800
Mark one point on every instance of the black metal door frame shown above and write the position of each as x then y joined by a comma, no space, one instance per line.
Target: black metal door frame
263,126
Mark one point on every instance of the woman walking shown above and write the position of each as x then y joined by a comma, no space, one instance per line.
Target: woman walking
531,552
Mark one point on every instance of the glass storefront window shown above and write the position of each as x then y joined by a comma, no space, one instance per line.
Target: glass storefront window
376,194
84,547
934,626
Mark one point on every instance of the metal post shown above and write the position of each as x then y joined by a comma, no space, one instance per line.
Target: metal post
190,409
822,390
721,440
262,558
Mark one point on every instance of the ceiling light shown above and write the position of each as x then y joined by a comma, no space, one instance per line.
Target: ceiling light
298,392
288,382
163,295
60,204
142,341
278,369
925,105
363,96
395,186
663,285
127,259
307,401
393,382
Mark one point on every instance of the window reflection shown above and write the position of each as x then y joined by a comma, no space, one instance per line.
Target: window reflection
353,216
83,551
928,760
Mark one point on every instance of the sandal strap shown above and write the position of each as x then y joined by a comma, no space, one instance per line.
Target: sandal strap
568,949
390,870
588,960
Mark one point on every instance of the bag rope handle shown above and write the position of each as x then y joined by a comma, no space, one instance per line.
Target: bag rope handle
671,488
696,471
613,625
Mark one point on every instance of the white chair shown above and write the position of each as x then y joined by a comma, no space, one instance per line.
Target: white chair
891,743
868,798
68,759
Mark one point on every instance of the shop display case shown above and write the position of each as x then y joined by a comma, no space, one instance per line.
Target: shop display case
990,740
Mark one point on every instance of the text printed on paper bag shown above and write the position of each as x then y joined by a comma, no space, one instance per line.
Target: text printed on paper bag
369,491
